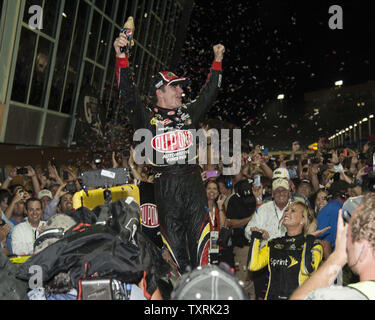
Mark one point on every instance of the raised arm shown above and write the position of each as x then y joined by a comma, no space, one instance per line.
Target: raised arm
207,95
129,95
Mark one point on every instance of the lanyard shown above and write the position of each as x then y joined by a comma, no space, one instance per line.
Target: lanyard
212,216
277,217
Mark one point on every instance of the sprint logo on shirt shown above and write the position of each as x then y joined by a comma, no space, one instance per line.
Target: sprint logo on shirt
278,262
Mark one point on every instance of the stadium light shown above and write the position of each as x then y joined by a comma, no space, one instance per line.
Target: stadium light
280,97
339,83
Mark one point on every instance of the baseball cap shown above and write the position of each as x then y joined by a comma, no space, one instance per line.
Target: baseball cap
167,78
210,282
44,193
281,173
280,183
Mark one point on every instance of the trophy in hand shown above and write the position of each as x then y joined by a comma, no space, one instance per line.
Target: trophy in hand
128,30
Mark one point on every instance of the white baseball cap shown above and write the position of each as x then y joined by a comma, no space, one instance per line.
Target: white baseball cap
281,173
280,183
45,193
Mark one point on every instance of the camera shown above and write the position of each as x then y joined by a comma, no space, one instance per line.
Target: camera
361,156
211,174
65,175
97,159
70,188
53,162
46,173
349,206
367,169
22,171
126,153
257,181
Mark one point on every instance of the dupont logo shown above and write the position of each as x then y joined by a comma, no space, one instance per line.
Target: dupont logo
149,215
172,141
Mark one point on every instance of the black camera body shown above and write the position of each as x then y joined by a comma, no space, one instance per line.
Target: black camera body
71,188
22,171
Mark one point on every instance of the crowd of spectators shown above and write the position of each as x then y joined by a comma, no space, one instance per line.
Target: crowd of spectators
255,204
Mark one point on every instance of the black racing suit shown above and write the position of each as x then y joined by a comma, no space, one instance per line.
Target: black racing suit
290,261
179,191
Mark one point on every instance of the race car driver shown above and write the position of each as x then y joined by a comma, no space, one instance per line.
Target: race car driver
179,190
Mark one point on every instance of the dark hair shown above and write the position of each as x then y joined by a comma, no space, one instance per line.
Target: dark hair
32,200
313,197
267,182
4,194
14,186
211,181
221,179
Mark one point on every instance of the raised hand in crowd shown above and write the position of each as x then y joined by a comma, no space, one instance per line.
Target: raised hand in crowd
220,201
11,176
43,181
72,177
335,158
34,179
52,171
203,175
19,195
133,167
295,148
61,191
361,173
114,161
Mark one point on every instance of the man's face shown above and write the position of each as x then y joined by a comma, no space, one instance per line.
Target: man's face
305,189
281,196
19,208
45,200
66,203
54,189
34,212
170,97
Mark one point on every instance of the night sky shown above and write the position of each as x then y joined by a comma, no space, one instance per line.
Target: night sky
275,47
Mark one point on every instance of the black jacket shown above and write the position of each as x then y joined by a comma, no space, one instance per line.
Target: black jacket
169,137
